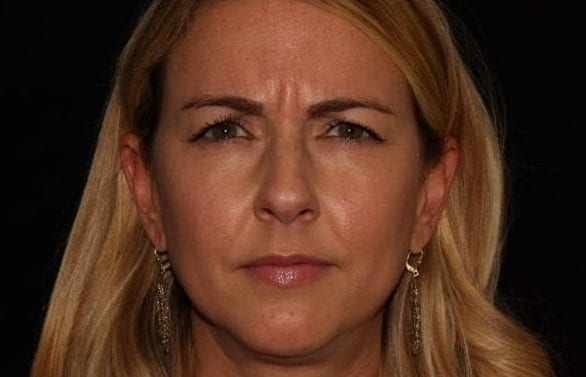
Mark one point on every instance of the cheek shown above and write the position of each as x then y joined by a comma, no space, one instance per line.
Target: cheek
203,205
371,204
371,212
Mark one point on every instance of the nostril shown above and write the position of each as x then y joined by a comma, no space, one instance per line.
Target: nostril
285,214
266,214
306,213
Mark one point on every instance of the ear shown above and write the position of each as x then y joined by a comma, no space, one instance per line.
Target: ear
143,189
434,192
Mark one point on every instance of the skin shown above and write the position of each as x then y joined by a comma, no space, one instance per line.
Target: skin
285,182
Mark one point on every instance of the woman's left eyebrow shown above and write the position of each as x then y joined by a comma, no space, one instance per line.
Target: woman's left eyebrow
337,105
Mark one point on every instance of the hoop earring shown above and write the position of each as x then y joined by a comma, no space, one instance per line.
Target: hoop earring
413,265
161,300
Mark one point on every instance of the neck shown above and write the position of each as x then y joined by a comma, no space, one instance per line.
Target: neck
355,354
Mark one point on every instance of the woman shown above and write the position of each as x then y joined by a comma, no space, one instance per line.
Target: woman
289,188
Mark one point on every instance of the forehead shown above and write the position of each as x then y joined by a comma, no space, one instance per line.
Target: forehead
276,45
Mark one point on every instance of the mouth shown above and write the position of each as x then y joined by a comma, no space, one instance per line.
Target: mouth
287,271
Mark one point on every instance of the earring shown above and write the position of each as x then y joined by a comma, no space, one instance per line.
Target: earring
413,265
161,300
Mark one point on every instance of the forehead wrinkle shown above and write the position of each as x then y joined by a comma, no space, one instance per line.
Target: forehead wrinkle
283,67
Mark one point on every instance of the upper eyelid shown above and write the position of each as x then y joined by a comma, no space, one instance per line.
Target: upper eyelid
237,118
338,120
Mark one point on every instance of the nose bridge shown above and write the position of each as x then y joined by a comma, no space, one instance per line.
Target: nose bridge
289,167
287,150
286,190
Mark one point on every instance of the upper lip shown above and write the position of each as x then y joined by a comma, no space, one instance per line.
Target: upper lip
286,260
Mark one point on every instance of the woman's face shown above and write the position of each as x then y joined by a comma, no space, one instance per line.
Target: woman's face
287,181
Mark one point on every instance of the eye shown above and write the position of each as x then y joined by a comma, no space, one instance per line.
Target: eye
352,131
221,129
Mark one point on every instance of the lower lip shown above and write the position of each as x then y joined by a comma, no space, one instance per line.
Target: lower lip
288,276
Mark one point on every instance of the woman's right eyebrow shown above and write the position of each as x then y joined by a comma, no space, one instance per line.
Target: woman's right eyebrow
240,104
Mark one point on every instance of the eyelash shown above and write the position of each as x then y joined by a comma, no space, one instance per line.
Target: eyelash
237,120
228,119
373,135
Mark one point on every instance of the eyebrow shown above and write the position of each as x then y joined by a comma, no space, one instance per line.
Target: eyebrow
243,105
337,105
251,107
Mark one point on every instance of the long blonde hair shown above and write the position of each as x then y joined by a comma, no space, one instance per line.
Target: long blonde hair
101,319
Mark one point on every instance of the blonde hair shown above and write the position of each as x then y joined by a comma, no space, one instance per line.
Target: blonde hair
101,319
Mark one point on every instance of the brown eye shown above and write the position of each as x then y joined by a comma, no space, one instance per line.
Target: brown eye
224,130
351,131
221,129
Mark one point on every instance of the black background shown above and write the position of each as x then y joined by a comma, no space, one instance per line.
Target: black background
56,62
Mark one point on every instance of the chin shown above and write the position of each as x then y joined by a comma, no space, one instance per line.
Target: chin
288,333
287,347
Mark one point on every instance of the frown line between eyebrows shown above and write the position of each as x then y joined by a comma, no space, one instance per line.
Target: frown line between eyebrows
316,110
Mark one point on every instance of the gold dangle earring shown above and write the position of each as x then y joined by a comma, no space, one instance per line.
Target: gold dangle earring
161,300
413,265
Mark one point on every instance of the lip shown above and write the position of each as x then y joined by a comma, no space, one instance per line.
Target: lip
287,271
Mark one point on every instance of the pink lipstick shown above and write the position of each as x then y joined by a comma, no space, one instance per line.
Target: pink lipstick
287,271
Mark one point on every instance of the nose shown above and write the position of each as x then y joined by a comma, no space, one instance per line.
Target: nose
286,192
